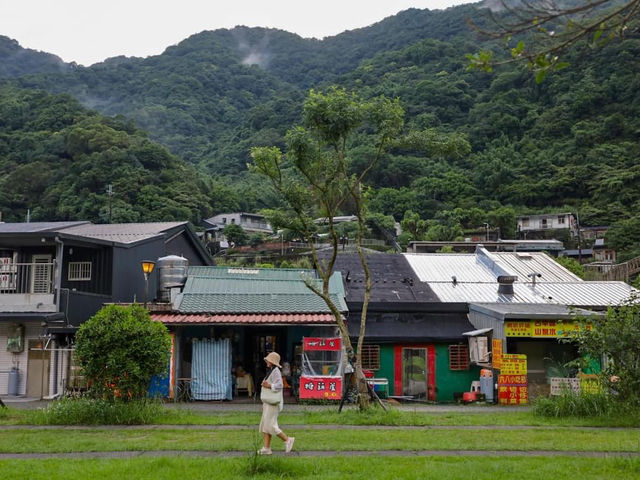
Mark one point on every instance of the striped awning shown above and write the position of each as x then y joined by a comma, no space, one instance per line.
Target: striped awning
245,319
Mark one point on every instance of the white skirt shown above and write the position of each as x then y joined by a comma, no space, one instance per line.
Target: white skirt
269,420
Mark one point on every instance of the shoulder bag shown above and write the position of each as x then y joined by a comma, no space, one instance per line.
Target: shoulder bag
269,396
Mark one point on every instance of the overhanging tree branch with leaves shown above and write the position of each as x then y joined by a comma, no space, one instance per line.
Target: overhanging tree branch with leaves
546,30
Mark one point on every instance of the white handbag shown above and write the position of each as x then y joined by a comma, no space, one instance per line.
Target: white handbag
269,396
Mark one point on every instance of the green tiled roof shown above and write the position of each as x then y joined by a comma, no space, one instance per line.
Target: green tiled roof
248,290
242,285
251,273
256,303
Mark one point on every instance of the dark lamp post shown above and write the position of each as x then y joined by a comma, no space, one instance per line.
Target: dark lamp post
147,268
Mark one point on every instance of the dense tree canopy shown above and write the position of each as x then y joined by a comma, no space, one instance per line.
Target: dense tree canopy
505,144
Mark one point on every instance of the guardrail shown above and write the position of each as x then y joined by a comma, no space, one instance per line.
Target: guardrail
27,278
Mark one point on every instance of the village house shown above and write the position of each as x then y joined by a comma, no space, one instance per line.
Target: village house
537,226
226,320
414,342
56,275
523,301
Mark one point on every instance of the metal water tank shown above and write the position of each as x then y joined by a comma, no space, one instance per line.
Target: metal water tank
14,381
172,272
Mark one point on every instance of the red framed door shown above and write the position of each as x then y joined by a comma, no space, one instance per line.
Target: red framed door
415,372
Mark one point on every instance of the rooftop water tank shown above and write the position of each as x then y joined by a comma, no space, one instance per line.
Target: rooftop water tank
172,272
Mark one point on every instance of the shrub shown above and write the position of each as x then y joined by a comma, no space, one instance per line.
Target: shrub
120,349
570,404
97,411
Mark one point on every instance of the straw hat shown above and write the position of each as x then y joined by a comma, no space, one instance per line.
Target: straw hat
274,359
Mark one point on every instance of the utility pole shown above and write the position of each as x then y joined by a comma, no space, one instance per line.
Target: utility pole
109,195
579,242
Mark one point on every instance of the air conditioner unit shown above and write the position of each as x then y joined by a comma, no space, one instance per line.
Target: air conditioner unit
479,350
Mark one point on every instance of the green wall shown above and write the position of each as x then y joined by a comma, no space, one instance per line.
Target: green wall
449,381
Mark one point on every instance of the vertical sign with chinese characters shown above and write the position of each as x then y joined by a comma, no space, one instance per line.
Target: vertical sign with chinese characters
496,352
512,381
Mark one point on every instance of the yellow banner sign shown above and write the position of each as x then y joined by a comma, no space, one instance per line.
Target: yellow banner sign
540,328
496,352
513,364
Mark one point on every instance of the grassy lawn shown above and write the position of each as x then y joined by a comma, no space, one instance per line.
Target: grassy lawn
366,468
352,417
557,439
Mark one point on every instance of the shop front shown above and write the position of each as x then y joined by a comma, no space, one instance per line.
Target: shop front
530,347
225,361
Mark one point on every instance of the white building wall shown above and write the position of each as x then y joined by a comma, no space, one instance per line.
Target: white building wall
7,359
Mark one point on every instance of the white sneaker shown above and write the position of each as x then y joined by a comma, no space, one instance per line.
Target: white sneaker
288,445
265,451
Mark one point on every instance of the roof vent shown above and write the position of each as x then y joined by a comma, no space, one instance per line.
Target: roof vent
505,284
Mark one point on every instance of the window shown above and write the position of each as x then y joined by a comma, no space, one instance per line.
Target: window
525,222
79,271
561,220
370,357
458,357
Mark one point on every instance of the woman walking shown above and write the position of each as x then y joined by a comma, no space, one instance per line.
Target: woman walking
272,403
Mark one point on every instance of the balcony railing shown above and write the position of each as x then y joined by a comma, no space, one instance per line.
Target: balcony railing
21,278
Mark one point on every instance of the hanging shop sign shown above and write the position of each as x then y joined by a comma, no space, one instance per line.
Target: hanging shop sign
320,388
541,328
321,344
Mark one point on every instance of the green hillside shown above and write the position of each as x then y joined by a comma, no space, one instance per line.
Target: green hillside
570,143
57,158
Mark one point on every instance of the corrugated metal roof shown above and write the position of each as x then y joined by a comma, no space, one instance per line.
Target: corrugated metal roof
522,264
121,232
484,266
271,318
257,303
484,293
520,310
587,294
36,227
440,267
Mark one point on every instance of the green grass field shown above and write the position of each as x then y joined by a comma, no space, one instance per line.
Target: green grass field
465,434
333,440
338,468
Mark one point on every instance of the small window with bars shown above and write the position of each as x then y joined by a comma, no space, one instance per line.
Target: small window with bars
79,271
370,357
458,357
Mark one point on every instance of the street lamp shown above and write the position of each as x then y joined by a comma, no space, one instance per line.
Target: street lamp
147,268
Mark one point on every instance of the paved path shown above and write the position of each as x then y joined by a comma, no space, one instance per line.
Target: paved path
299,426
318,453
228,407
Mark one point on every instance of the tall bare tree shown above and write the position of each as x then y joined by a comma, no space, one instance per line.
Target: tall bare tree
315,179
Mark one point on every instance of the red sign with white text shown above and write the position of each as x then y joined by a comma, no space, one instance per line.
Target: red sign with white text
321,387
321,344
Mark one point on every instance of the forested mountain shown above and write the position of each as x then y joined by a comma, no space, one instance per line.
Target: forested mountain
570,143
57,158
16,61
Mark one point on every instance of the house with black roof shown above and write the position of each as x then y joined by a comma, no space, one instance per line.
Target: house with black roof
412,340
56,275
